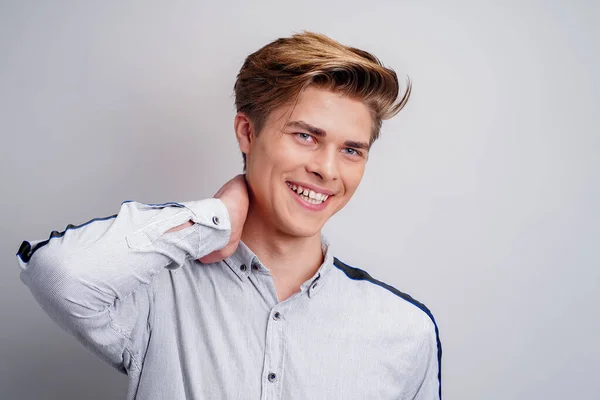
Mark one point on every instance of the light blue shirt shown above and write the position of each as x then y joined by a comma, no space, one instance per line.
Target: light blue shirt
180,329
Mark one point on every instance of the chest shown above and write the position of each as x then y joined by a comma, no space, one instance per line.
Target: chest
213,340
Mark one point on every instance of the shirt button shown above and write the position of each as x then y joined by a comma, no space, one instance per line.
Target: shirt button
314,285
272,377
276,316
243,267
215,220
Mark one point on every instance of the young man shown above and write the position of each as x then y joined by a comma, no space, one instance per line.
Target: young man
240,296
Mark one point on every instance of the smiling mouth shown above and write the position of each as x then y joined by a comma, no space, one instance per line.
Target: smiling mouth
308,195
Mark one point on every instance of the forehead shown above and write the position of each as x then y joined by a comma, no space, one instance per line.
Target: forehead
336,114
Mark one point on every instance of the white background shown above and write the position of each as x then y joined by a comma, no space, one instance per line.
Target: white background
480,199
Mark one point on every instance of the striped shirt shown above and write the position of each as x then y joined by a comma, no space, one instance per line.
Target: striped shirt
139,298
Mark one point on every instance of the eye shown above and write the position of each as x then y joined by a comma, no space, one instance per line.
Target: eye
353,152
305,137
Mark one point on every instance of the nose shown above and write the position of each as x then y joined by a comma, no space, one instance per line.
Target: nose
324,164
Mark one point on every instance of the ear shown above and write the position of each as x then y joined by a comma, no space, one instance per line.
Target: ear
244,132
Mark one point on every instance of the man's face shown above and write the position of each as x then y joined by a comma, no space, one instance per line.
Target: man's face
318,150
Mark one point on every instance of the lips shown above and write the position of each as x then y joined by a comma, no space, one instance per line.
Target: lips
309,195
307,202
314,188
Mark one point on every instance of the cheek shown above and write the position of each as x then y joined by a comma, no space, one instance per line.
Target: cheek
286,151
267,165
286,155
352,178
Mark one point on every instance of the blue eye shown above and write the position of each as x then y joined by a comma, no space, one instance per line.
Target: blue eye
354,152
304,136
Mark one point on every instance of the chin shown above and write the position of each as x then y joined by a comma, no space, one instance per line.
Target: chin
293,228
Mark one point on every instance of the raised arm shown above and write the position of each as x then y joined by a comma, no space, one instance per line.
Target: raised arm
93,279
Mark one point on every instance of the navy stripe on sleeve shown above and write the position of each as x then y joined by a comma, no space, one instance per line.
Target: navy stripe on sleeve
26,251
359,274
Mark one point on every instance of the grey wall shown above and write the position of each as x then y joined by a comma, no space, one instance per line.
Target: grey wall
486,187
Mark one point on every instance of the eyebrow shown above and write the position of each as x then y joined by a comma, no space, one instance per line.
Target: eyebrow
321,133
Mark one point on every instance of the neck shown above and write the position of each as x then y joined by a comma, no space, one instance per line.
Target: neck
291,259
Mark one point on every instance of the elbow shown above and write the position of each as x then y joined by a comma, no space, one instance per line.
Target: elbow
60,287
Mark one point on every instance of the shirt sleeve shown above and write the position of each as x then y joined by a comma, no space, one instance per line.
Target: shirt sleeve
93,279
428,376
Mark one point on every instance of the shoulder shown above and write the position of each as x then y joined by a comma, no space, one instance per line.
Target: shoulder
388,295
413,321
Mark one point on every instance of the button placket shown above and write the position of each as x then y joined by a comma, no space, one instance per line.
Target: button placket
271,362
272,371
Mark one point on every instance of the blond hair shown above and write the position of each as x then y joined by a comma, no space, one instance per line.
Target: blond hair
279,72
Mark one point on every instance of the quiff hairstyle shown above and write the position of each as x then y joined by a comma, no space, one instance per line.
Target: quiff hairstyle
279,72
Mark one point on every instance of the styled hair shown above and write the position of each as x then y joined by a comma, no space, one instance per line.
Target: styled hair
279,72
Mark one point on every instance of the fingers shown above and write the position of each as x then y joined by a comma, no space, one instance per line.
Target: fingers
219,192
238,178
221,254
211,258
234,195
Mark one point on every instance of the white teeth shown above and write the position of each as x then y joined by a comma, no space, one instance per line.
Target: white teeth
310,196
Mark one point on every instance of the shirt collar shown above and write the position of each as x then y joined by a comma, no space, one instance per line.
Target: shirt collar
244,262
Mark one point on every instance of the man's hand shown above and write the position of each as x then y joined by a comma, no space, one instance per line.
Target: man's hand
234,194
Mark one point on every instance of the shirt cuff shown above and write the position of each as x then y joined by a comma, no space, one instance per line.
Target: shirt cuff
207,213
210,212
